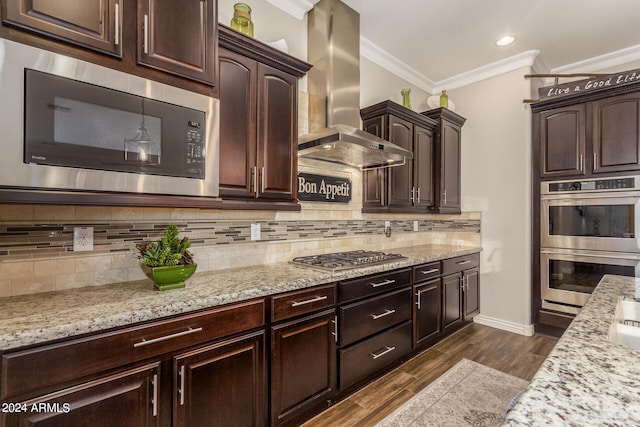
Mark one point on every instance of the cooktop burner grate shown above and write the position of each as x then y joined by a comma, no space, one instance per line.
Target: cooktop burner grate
346,260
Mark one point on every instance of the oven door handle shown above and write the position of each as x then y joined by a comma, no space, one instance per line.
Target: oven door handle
620,255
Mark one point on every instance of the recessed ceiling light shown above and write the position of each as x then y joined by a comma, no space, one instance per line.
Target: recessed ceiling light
505,40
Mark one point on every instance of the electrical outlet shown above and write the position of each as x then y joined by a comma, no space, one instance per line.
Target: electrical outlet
82,239
415,225
387,228
255,231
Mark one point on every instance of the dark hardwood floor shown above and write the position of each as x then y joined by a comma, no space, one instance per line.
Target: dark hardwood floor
514,354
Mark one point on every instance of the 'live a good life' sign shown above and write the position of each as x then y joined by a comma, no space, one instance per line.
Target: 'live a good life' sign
321,188
589,85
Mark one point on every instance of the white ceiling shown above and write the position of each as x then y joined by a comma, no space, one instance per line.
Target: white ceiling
436,42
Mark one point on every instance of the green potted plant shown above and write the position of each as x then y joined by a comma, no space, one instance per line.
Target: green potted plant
167,261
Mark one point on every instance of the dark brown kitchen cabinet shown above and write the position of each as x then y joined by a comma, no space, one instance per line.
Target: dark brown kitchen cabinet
447,160
615,133
149,374
590,138
303,366
127,398
94,24
408,187
258,121
562,141
224,384
427,313
178,37
460,291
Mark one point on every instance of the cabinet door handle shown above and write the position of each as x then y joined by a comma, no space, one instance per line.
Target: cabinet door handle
154,397
386,350
146,34
418,195
335,327
116,36
262,178
463,262
595,160
181,389
384,283
167,337
444,197
418,298
309,301
581,163
386,313
433,270
254,173
413,190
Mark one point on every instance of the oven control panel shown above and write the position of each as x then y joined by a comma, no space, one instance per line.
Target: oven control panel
590,185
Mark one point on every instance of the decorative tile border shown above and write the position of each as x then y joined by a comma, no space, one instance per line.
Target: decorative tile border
21,242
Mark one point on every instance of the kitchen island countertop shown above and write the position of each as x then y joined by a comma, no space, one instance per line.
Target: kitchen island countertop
38,318
586,380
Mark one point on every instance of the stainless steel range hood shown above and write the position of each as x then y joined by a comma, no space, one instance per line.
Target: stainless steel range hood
334,81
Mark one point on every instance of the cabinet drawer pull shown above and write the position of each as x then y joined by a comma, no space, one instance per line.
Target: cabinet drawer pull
386,350
386,282
463,262
167,337
433,270
386,313
309,301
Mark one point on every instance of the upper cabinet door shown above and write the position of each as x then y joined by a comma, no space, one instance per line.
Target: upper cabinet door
616,133
237,124
562,141
277,133
95,24
167,43
450,160
423,166
401,190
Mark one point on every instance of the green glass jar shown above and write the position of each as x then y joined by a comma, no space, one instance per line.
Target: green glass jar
444,99
241,21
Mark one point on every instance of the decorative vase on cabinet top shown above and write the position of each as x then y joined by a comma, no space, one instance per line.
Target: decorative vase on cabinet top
241,21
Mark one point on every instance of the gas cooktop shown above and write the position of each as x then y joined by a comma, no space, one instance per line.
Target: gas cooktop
346,260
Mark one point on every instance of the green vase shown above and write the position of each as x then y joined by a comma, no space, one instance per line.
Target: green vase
241,21
172,277
406,98
444,99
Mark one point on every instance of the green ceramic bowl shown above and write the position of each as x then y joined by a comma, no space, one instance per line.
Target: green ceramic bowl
173,277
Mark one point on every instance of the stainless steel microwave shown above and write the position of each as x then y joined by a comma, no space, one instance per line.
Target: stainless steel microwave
71,125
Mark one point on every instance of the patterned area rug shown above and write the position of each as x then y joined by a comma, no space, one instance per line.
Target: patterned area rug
469,394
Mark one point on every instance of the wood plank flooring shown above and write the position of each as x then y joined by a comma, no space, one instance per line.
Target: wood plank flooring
514,354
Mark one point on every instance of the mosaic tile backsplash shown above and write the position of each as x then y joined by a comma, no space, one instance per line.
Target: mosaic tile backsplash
38,256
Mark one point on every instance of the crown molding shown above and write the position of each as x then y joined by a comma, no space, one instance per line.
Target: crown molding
295,8
524,59
597,63
381,57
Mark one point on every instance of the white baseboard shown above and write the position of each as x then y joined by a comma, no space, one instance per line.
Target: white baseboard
516,328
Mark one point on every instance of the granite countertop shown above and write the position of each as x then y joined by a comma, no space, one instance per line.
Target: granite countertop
586,380
33,319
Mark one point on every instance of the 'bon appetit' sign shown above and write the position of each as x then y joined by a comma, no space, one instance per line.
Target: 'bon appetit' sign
322,188
589,85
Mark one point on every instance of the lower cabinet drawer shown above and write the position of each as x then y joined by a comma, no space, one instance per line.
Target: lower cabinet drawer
464,262
358,321
360,360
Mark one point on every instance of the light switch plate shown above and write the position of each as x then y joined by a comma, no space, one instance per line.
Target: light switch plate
415,225
255,231
82,239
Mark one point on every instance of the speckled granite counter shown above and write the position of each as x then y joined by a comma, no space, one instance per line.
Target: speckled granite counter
586,380
33,319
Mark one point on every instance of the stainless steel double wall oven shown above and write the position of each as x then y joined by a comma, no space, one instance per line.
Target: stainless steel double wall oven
589,228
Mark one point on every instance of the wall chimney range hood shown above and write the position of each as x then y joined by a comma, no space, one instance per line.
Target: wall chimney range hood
334,88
